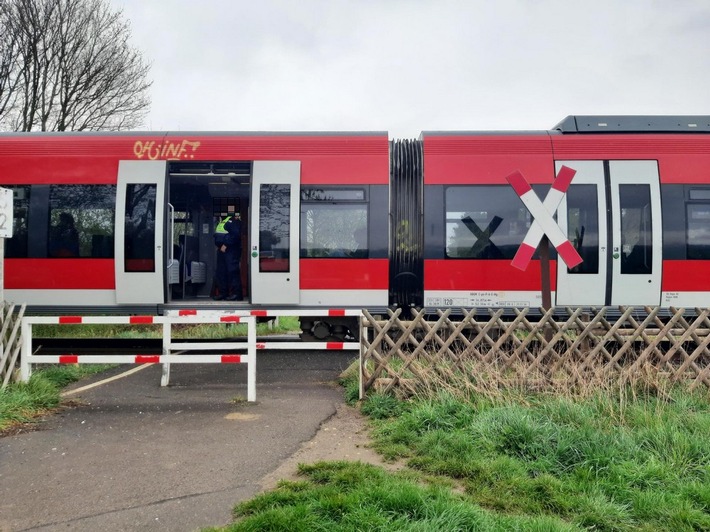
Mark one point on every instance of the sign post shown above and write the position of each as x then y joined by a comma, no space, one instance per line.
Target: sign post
6,218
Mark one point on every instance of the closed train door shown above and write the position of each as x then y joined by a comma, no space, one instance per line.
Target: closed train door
140,211
612,215
274,232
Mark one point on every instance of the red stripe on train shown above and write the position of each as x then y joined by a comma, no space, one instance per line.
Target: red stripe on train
498,275
60,274
686,276
344,274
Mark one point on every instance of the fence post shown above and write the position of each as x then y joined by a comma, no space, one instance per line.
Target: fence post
361,367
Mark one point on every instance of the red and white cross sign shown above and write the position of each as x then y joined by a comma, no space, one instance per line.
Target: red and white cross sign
543,222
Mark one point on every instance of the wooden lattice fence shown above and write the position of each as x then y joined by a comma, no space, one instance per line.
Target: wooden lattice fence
567,346
10,340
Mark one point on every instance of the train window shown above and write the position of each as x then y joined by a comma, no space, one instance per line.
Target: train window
334,222
636,237
16,247
81,221
334,230
484,222
698,216
139,228
583,226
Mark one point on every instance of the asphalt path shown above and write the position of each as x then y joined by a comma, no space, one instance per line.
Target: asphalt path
134,456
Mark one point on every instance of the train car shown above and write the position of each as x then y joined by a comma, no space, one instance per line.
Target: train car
637,211
145,207
356,220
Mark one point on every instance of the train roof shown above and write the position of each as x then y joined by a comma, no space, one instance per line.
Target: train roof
634,124
600,124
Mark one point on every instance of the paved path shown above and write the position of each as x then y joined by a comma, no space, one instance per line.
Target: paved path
135,456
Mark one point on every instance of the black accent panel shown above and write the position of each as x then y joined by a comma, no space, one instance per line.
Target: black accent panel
378,238
634,124
609,231
674,223
406,263
434,222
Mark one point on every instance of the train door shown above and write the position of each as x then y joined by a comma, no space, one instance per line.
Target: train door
140,200
274,244
612,215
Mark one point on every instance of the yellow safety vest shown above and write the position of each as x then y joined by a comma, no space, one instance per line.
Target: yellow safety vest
220,226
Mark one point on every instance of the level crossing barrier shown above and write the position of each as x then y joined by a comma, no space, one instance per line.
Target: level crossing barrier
172,352
276,313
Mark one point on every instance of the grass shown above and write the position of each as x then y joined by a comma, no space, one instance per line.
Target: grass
625,458
599,463
22,403
357,496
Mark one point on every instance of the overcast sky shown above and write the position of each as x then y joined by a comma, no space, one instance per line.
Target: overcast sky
405,66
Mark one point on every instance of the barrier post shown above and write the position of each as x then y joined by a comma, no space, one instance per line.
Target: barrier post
251,364
26,352
167,339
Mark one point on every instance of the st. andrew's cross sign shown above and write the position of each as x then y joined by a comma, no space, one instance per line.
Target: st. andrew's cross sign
544,227
543,221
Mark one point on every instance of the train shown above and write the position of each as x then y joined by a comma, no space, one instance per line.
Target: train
359,220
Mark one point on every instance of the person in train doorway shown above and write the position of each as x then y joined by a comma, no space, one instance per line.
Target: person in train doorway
227,238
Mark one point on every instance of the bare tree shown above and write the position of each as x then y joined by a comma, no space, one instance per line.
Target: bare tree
9,71
68,65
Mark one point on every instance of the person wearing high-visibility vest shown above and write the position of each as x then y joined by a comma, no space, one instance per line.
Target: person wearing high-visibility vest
227,238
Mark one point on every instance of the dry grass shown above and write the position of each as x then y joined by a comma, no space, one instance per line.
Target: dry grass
500,376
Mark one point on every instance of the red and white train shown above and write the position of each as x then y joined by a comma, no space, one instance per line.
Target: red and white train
356,220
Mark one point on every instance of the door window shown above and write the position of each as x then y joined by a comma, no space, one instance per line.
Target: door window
583,226
139,227
274,227
636,237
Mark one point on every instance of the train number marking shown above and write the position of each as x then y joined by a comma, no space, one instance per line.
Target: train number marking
543,221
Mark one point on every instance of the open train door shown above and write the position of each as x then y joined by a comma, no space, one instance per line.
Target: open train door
612,215
274,232
140,214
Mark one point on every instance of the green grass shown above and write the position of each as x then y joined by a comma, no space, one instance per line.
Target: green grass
355,496
619,461
25,402
599,463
